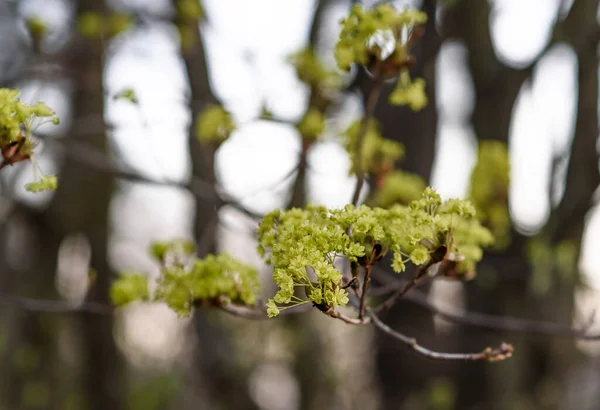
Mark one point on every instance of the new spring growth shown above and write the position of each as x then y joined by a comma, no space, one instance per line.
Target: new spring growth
186,281
313,72
96,26
490,181
16,122
214,125
377,154
303,244
380,39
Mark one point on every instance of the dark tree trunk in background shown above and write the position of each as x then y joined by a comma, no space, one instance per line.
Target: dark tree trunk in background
496,89
310,364
216,379
401,372
29,357
81,205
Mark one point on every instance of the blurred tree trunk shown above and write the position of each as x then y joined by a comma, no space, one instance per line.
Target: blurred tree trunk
215,372
81,205
401,372
29,254
496,89
311,366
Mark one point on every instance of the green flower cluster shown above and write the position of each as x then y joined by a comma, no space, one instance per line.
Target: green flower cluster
127,94
16,116
377,154
186,281
311,71
130,287
489,189
303,244
312,125
214,125
45,183
96,26
409,92
357,45
398,187
362,24
16,122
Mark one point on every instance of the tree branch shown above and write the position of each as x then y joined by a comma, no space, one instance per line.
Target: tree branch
505,323
364,126
504,351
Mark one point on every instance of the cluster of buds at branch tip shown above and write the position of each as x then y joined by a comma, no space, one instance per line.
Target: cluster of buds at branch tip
499,354
15,151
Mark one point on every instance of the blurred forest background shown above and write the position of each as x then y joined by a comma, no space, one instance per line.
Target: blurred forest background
131,172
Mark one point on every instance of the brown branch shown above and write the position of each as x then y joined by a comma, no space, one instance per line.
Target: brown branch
259,311
504,351
352,321
505,323
474,319
400,292
56,306
363,296
86,155
364,126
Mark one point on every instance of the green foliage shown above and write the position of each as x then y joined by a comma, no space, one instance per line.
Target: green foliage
312,125
311,71
45,183
118,23
398,187
489,189
37,28
16,116
91,25
177,248
214,125
377,154
409,92
360,42
186,281
127,94
354,47
130,287
16,122
95,26
302,244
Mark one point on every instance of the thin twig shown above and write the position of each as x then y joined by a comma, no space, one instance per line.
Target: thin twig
504,351
352,321
400,292
259,312
506,323
56,306
364,126
363,296
94,159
